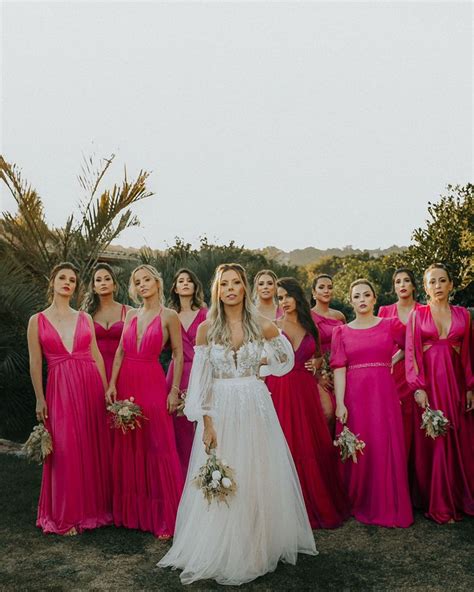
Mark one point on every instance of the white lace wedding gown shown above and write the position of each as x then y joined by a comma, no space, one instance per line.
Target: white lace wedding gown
266,520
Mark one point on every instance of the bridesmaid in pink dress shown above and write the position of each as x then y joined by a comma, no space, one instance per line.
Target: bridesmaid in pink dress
404,285
264,294
438,367
326,320
147,474
76,484
108,315
367,400
296,399
187,299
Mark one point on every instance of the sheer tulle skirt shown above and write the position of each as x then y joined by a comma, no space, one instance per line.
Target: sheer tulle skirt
266,521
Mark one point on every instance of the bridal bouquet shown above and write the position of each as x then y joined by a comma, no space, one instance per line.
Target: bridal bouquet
216,480
38,445
126,415
325,371
434,422
349,445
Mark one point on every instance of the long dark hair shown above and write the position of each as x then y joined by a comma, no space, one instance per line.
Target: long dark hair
303,311
409,273
312,300
92,299
198,296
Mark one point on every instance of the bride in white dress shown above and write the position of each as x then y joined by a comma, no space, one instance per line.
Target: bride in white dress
266,519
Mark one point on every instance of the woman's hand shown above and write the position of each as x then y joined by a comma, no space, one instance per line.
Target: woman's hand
341,413
41,410
469,401
421,398
172,401
111,394
313,365
209,438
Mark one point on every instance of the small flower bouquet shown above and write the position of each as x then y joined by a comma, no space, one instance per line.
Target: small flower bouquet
216,480
434,422
325,371
126,415
182,403
349,445
38,445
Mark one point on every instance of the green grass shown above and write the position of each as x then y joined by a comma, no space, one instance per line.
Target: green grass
426,557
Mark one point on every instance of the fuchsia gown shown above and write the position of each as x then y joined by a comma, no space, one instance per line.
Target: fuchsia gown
296,399
378,484
183,428
147,475
108,340
76,484
444,467
405,391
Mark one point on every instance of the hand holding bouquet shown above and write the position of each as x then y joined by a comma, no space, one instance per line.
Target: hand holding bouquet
326,372
126,415
434,422
181,404
39,444
349,445
216,480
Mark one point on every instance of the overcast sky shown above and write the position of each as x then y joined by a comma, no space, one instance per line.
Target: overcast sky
289,124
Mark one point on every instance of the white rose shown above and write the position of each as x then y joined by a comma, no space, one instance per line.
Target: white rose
224,463
216,475
123,411
214,484
226,482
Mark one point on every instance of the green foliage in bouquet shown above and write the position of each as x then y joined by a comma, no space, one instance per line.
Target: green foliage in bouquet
349,445
434,422
216,480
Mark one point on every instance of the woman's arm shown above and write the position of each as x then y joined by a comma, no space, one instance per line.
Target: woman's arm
176,342
209,436
111,394
95,352
340,391
36,368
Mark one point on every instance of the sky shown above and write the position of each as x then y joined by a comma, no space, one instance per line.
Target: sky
291,124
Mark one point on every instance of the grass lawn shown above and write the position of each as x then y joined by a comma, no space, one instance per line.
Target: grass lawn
426,557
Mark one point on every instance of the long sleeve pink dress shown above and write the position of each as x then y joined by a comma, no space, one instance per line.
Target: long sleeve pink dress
147,475
378,484
76,484
443,467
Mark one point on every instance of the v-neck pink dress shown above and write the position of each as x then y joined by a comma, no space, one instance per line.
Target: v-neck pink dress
444,467
76,484
183,428
378,484
108,340
405,391
147,475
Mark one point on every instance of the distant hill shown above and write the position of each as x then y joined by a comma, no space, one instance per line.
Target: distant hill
312,255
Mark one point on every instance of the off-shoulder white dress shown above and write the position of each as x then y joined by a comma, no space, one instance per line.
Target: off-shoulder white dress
266,520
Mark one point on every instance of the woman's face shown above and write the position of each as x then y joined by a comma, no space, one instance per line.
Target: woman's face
322,292
403,285
184,285
231,288
145,284
65,283
286,302
103,283
437,284
363,299
266,287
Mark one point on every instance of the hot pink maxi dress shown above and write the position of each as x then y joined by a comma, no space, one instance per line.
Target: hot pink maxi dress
297,403
108,340
378,484
147,475
405,391
444,466
76,484
183,428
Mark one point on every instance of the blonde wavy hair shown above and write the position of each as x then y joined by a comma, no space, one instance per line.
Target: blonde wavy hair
219,329
132,289
258,275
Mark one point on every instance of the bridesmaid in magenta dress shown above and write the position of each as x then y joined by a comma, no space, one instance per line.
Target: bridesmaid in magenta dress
326,320
108,315
438,367
264,294
187,298
76,484
367,400
147,474
298,406
404,285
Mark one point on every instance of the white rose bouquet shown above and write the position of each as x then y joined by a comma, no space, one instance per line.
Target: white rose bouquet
39,444
126,415
434,422
349,445
216,480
